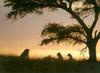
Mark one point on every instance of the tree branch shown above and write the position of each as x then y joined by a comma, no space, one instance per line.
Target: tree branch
77,39
70,11
97,37
96,10
83,50
95,21
78,19
86,16
70,4
95,34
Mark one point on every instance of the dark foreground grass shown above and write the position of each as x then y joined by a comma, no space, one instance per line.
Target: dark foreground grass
13,64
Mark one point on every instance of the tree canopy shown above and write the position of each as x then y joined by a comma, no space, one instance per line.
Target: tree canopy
53,32
23,7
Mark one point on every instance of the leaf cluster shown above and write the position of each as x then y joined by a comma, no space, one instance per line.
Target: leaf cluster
54,32
23,7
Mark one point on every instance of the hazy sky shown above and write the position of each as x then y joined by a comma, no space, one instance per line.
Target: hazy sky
25,32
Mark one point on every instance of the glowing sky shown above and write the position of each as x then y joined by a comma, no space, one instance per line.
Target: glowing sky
25,33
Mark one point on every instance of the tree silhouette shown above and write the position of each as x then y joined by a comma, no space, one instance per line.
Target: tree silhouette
53,32
22,7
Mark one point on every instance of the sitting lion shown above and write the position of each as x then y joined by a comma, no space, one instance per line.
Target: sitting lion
69,57
25,54
59,56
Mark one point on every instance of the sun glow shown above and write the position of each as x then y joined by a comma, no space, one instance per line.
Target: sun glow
44,52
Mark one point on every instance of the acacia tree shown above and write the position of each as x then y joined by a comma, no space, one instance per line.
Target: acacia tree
23,7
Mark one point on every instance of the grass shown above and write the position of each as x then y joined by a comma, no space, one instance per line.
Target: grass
13,64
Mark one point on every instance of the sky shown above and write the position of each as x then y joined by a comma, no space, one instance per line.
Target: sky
25,32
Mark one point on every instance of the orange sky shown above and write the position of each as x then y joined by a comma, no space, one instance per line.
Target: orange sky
25,33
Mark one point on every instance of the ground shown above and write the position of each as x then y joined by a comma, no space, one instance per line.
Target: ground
13,64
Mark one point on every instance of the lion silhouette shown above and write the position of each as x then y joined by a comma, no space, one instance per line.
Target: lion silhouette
69,57
59,56
25,54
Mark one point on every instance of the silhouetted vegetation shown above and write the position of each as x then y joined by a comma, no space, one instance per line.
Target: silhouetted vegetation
13,64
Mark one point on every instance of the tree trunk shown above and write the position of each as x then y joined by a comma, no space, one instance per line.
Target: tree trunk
92,54
92,51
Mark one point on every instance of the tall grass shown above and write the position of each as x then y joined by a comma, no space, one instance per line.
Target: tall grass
14,64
